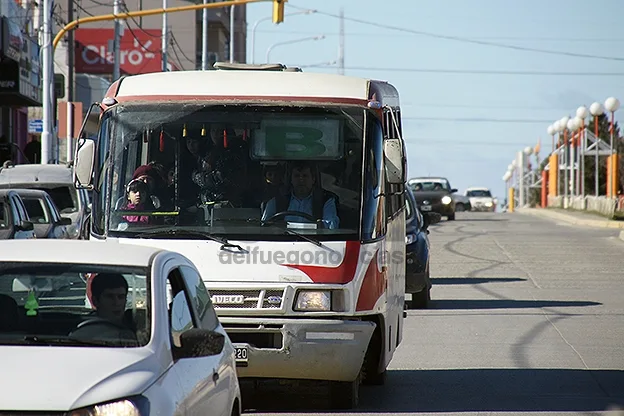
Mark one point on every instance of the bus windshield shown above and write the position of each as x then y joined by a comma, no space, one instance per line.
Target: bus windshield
241,171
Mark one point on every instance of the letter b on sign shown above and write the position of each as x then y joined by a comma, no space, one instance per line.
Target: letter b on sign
295,142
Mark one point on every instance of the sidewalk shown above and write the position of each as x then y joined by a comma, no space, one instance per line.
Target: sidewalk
573,217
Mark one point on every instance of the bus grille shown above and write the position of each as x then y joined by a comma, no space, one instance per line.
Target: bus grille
247,299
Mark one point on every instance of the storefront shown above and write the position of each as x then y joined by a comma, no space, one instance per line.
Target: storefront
20,88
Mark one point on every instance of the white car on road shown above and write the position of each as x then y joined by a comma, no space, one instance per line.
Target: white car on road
153,344
481,199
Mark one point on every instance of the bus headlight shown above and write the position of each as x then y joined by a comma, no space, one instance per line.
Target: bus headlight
446,199
313,300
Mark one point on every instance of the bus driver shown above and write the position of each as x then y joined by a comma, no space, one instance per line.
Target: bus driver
305,197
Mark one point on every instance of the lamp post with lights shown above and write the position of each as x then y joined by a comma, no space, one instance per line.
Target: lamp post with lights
596,111
612,104
581,115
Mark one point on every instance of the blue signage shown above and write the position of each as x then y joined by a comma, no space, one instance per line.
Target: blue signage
35,126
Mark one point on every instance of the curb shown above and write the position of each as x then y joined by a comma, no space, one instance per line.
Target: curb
545,212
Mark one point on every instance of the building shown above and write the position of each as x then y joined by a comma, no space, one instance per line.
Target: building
141,49
20,82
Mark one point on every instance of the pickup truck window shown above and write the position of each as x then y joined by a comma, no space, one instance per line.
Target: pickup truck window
36,211
4,217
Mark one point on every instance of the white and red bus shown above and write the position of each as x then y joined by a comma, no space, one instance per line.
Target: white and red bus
286,189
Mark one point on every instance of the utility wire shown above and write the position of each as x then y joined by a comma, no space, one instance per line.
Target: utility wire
471,71
476,120
464,39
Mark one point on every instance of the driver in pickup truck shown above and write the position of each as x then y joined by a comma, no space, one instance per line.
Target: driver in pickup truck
109,292
305,197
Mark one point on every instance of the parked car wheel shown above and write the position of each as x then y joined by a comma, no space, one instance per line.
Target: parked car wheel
459,207
451,217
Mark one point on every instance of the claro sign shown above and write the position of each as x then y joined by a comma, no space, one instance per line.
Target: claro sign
140,51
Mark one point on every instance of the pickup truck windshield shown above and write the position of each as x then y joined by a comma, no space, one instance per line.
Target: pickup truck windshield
73,305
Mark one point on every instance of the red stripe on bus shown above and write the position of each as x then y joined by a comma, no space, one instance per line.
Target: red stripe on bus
336,275
373,286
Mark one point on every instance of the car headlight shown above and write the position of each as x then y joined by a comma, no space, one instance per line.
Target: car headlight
409,239
488,204
446,199
313,300
135,406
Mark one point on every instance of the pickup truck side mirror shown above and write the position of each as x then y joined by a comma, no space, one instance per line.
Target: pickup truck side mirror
453,190
64,221
25,226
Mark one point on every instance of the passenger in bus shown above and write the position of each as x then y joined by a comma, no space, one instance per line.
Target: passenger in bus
273,182
223,174
151,176
137,199
305,196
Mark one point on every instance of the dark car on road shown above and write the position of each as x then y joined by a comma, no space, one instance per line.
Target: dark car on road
417,282
434,194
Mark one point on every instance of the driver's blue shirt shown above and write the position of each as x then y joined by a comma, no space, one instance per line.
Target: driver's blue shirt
330,216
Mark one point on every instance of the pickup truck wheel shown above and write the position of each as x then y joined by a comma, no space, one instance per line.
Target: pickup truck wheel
451,217
344,395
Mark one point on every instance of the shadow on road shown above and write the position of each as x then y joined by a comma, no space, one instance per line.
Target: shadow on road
472,390
489,219
506,303
473,280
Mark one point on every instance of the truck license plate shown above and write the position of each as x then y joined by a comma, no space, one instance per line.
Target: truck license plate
240,353
425,207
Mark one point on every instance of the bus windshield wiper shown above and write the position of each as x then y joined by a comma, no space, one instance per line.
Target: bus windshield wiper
304,237
180,232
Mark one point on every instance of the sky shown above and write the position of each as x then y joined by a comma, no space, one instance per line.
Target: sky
478,80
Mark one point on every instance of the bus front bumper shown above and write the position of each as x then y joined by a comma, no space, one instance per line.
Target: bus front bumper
309,349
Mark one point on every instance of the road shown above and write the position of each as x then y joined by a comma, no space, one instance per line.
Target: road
527,317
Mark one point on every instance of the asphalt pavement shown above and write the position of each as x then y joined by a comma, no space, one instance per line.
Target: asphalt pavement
526,318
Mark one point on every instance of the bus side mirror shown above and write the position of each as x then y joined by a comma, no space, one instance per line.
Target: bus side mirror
84,164
393,153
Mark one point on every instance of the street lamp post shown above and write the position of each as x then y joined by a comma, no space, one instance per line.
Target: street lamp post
551,132
572,129
563,125
581,115
596,110
612,104
264,19
524,183
288,42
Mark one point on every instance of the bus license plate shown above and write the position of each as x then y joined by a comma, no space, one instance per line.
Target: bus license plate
425,207
240,353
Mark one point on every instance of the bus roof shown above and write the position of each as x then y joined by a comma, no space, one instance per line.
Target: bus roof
252,85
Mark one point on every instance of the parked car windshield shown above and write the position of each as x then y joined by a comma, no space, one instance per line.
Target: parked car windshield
74,305
429,185
479,193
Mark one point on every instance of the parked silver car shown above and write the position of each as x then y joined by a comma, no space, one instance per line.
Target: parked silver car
58,182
